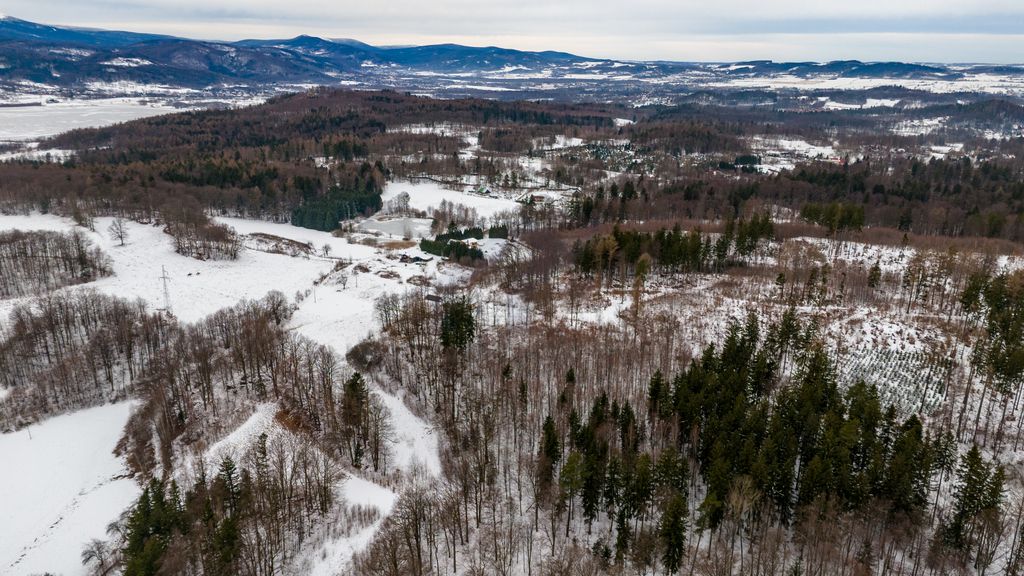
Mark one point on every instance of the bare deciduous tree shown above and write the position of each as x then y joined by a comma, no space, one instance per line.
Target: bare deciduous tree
118,230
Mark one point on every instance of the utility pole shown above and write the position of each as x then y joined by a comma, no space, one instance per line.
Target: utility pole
167,293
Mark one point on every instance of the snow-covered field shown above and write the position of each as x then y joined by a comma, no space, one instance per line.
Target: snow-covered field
31,151
558,142
427,195
26,123
829,104
795,146
60,487
197,288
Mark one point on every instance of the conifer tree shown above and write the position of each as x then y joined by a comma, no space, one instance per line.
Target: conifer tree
672,533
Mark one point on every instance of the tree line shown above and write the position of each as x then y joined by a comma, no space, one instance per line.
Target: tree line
35,262
670,251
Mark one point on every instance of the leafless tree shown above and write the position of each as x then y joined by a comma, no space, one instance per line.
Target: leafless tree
118,230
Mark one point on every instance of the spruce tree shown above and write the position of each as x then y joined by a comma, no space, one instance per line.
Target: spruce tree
672,533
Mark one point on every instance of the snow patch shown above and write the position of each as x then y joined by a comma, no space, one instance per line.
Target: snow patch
127,62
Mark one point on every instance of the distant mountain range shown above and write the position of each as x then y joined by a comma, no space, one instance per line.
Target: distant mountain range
85,60
69,56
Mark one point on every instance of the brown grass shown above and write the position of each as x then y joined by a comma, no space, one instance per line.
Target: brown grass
290,421
397,244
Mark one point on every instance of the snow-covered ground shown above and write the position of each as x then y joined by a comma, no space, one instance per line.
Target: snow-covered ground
31,151
196,288
60,487
782,153
427,195
336,313
558,142
919,127
942,151
33,222
829,104
795,146
329,558
340,315
332,549
397,226
26,123
984,83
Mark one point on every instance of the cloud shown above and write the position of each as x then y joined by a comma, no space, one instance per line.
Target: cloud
932,30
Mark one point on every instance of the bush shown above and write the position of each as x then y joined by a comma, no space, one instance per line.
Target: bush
367,356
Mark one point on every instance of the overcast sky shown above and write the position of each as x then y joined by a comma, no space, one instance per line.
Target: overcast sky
705,30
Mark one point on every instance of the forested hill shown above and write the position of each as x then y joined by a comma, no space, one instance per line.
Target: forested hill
262,161
323,113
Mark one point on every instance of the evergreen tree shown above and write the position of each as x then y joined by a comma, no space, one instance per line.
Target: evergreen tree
672,533
550,451
355,418
979,489
875,274
458,325
230,483
571,482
